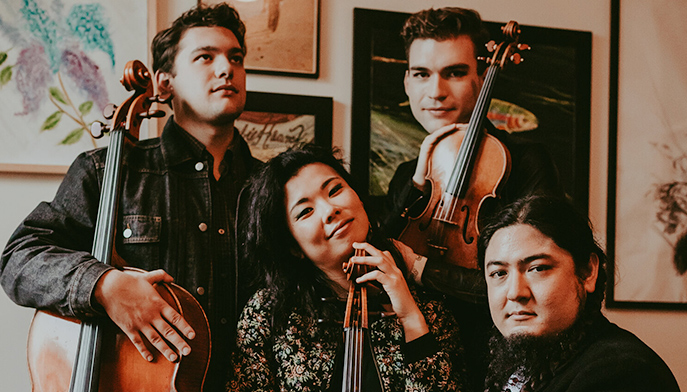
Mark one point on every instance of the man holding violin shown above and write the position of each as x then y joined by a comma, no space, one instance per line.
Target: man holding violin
443,82
177,209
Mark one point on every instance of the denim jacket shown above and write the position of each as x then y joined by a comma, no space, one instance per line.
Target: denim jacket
162,222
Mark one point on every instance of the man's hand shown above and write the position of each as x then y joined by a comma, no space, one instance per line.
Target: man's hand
426,150
414,263
133,303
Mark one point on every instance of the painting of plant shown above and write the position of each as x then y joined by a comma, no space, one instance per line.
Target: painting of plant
60,62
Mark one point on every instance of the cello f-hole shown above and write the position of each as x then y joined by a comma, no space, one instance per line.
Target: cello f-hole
466,222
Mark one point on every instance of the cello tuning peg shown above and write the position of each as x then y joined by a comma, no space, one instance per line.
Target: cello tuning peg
381,314
156,98
109,111
491,46
524,47
98,129
152,113
325,321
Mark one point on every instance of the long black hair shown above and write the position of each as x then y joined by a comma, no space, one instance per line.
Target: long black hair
570,230
558,219
265,241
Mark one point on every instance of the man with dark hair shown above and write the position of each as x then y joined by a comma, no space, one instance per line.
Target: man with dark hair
443,82
546,280
177,210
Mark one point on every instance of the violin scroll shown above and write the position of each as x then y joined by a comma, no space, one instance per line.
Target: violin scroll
507,51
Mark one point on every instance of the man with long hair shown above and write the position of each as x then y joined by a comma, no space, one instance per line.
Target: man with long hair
546,280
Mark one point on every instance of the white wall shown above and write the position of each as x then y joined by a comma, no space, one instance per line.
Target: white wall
663,331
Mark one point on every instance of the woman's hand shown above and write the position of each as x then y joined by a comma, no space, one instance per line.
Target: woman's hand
391,278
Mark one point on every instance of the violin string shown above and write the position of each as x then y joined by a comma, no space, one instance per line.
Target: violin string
471,138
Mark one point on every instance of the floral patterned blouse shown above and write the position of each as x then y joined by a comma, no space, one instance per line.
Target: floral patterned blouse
302,358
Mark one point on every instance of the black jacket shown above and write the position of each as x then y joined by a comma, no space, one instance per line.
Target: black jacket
613,360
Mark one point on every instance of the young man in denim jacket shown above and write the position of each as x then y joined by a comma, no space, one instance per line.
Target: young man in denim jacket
177,209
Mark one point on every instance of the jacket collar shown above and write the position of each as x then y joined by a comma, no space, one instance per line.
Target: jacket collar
178,146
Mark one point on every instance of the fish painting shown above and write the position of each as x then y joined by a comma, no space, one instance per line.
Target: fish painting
511,117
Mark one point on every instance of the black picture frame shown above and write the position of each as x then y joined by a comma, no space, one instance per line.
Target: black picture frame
272,123
667,199
554,82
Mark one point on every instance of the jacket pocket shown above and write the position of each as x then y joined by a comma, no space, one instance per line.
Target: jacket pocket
140,229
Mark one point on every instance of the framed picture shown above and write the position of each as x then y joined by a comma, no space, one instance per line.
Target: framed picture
647,167
282,36
60,65
546,99
272,123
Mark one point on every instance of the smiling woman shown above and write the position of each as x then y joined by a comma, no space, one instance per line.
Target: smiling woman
305,222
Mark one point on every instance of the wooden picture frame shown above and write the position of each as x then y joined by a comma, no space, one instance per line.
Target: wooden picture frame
553,83
282,36
272,123
647,175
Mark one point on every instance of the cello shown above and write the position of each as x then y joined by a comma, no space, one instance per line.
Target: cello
65,354
355,325
466,171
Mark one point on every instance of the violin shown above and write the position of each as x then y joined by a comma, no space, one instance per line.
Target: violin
466,170
66,354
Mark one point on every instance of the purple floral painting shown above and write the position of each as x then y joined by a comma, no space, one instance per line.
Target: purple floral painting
60,65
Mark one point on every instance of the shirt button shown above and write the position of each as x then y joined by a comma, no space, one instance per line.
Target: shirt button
127,233
199,166
200,291
202,227
223,320
221,231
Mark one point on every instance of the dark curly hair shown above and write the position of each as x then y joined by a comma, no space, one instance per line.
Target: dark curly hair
447,23
166,42
559,220
265,242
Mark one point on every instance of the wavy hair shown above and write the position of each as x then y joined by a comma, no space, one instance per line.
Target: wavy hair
447,23
166,42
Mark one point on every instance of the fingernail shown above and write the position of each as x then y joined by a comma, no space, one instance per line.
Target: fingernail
191,335
149,358
186,350
172,357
